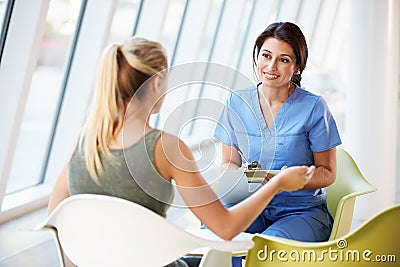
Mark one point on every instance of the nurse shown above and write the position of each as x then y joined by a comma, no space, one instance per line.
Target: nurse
280,124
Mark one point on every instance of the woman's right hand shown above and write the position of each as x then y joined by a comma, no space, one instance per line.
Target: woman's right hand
294,178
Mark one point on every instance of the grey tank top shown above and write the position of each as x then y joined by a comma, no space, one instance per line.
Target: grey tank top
133,176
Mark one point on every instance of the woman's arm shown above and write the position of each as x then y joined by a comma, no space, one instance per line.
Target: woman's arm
174,160
323,132
230,158
325,172
60,190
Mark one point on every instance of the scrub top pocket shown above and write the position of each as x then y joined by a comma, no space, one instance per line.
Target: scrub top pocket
295,149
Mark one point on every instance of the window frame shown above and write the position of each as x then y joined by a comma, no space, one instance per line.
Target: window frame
19,58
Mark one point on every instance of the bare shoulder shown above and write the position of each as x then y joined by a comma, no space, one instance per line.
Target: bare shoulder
175,152
174,146
169,138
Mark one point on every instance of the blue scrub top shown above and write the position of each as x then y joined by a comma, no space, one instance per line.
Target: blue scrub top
302,126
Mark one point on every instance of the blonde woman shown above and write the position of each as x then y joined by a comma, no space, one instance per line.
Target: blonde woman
117,147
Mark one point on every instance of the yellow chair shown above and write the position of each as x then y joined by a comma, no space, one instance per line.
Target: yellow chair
375,243
341,195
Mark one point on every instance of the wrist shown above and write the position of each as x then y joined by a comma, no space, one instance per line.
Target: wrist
275,185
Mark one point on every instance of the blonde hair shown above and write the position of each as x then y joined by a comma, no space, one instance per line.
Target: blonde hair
123,69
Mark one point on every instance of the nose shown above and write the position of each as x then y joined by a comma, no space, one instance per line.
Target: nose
271,65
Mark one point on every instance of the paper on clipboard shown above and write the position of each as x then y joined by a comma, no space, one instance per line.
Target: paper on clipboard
233,186
257,176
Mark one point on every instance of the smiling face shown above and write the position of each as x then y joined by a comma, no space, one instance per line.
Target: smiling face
276,64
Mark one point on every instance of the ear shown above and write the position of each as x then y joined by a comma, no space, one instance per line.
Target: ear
155,83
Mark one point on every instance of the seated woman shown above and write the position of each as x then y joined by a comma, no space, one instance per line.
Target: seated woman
119,154
279,124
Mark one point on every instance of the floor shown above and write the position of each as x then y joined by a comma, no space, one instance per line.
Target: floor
21,246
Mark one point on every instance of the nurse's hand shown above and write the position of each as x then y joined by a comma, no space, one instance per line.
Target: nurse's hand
294,178
245,166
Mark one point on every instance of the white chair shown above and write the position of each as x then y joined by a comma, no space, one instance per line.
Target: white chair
97,230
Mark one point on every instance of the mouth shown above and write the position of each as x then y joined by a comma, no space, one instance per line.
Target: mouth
270,76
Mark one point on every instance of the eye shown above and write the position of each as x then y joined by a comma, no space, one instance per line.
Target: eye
265,55
285,60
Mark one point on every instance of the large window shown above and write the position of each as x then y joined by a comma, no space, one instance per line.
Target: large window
124,20
57,72
44,95
3,5
3,22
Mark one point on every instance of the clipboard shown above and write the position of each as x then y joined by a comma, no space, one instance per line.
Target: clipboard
233,186
257,176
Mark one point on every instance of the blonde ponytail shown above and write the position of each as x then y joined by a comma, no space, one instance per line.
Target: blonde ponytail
123,69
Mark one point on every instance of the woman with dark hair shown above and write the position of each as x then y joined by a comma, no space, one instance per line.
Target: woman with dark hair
278,124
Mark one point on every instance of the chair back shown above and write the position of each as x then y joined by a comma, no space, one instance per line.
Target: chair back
97,230
375,243
341,195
